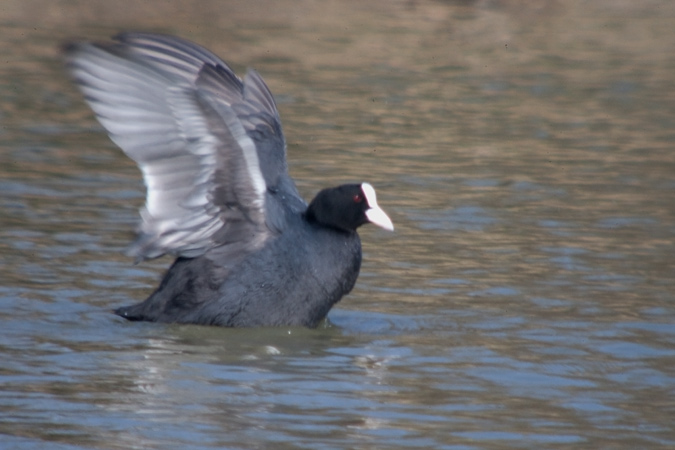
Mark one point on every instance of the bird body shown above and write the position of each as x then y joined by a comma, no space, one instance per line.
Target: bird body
295,288
249,250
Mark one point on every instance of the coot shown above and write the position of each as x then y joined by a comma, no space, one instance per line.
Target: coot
249,250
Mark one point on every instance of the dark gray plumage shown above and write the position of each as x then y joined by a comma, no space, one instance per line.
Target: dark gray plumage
250,252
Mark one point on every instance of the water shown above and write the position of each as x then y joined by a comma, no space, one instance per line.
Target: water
526,299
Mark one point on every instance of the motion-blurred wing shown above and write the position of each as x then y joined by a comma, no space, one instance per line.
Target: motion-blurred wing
197,133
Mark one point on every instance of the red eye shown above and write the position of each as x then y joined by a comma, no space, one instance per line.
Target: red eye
357,198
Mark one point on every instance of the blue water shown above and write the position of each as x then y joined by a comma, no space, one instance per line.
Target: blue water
526,299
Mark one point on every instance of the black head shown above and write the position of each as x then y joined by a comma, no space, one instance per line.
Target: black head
347,207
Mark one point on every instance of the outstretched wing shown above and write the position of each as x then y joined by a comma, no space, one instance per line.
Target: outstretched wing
209,146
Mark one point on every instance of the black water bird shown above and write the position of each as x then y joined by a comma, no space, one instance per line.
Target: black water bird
249,250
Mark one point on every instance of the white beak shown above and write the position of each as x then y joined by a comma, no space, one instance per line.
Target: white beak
375,214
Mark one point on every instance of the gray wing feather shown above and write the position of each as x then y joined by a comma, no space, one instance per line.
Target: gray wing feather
251,99
195,131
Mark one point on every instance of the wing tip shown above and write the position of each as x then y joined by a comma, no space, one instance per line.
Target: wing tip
71,48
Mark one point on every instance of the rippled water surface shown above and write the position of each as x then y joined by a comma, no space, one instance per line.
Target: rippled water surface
526,153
